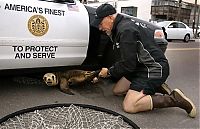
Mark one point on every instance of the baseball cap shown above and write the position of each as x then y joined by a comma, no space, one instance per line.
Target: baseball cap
102,11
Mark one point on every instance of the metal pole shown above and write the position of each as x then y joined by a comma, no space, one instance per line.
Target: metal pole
194,18
179,10
197,24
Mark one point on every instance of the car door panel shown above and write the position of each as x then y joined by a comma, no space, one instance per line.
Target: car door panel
42,34
172,31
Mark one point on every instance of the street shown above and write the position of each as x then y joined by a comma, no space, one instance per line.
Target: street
18,93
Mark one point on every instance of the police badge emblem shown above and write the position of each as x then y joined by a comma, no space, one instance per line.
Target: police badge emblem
38,25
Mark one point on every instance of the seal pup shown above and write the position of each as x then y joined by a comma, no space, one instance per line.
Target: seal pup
69,78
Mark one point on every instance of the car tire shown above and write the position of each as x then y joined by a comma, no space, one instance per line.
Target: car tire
186,38
198,34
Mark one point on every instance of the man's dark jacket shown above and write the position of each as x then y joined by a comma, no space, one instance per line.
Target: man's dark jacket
140,54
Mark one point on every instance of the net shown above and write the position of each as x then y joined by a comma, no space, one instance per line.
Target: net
66,117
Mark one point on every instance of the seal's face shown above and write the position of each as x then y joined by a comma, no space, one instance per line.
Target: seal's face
50,79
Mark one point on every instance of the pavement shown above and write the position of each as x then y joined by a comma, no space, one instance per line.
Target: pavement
18,93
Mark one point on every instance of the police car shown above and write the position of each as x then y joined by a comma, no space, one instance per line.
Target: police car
54,33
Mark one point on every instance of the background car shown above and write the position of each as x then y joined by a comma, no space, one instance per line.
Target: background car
52,35
176,30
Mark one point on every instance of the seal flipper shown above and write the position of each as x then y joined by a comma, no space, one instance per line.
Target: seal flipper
89,75
64,86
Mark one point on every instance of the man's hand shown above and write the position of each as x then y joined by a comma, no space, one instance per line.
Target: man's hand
103,73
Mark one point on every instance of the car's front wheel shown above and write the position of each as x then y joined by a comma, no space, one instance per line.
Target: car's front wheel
186,38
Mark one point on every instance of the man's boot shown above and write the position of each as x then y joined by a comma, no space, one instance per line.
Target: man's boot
175,99
164,89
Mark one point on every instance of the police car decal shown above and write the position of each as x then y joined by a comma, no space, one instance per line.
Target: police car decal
42,33
38,25
72,7
32,9
27,52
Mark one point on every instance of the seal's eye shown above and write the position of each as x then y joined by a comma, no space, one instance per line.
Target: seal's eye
45,78
53,77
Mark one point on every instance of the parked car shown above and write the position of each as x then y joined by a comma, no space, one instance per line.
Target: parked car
176,30
43,35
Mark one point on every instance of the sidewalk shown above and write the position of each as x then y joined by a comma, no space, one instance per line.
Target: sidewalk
195,39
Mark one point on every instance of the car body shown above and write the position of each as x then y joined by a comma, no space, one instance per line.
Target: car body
177,30
48,34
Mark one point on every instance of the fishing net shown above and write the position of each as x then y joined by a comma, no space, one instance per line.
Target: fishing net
66,116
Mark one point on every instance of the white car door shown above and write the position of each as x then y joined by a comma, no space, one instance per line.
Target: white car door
42,33
172,31
182,31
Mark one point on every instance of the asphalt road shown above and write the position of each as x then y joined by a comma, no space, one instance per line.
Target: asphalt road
18,93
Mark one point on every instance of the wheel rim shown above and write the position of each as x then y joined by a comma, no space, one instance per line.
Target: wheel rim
187,38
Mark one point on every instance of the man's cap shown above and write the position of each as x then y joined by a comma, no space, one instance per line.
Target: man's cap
102,11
